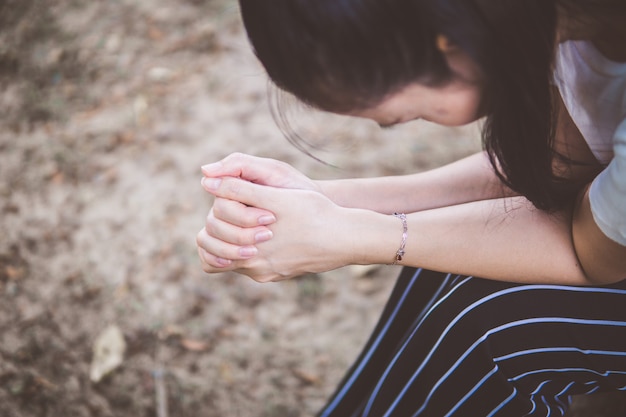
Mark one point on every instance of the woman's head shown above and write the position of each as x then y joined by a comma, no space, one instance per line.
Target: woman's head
341,55
454,102
347,56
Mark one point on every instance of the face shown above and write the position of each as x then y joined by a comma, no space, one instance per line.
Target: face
454,104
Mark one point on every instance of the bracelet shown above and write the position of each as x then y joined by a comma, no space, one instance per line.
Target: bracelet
405,229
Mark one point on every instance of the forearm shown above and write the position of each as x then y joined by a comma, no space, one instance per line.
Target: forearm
466,180
501,239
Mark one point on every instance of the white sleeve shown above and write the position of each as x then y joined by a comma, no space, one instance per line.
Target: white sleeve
608,192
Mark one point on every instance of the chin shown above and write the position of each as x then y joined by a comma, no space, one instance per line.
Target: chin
458,122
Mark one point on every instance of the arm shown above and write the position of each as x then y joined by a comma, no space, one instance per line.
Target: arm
566,248
501,239
504,239
469,179
455,208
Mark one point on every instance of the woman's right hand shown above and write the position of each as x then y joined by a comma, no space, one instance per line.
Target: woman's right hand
311,233
235,228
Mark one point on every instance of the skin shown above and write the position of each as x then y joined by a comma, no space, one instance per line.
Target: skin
271,222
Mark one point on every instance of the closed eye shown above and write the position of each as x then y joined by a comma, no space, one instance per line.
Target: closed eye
387,125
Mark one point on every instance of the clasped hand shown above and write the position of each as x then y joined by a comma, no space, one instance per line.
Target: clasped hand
270,222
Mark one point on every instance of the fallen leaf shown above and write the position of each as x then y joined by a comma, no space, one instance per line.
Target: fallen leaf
41,381
171,331
195,345
14,273
226,373
306,377
108,353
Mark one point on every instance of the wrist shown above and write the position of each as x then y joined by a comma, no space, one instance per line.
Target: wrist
401,250
376,238
328,189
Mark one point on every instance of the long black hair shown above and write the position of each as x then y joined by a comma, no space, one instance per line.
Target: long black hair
343,55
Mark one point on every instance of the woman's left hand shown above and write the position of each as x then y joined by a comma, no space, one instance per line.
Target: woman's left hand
311,233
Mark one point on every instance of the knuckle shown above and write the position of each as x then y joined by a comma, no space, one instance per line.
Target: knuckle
232,188
233,253
209,217
259,278
265,279
244,240
216,212
217,203
238,240
200,237
235,157
257,272
245,237
210,229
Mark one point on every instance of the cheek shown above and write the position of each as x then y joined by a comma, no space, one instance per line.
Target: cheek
464,108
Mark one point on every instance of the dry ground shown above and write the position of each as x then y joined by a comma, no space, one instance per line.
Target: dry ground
109,108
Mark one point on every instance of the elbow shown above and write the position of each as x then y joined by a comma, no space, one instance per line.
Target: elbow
601,259
600,262
598,268
598,276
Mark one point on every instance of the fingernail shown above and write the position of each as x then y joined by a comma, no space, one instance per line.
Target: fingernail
267,219
224,262
209,167
248,251
211,183
263,236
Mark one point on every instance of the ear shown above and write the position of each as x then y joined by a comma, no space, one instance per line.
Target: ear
445,45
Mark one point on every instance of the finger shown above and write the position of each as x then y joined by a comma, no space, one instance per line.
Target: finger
239,214
239,190
241,236
264,171
224,250
211,263
239,165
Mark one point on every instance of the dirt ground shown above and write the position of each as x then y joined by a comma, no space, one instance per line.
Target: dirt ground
109,108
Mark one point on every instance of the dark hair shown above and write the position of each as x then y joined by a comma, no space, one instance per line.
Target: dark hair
341,55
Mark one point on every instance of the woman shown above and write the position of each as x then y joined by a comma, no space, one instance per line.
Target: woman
539,216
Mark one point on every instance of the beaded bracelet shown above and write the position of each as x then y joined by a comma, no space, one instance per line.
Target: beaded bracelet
405,229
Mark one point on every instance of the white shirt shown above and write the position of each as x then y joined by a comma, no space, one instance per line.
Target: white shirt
594,92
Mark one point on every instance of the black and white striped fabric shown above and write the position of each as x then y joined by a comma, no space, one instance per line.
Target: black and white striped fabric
450,345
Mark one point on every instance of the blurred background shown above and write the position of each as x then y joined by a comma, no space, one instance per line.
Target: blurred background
108,110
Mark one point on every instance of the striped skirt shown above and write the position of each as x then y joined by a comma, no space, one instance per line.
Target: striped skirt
450,345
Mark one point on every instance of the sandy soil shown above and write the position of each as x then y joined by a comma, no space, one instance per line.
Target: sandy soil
109,110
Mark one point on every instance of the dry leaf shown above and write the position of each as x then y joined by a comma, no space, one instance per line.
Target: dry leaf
108,353
15,273
195,345
226,373
306,377
170,331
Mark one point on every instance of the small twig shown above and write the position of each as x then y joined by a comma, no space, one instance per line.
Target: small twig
160,392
